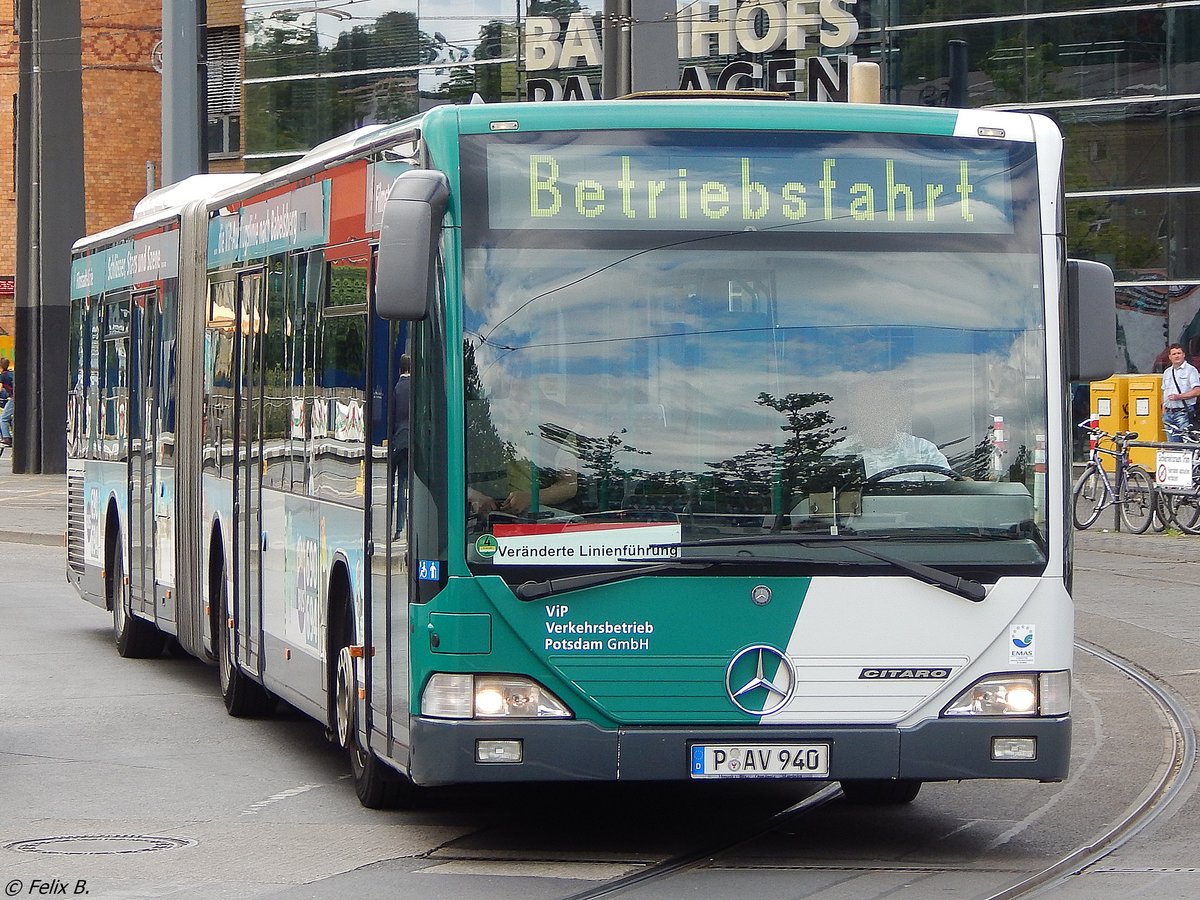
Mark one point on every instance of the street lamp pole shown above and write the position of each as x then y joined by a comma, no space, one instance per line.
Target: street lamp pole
50,218
615,38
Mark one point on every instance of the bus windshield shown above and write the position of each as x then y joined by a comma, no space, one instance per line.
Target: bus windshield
676,337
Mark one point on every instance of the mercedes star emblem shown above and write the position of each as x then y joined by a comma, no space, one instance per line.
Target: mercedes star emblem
760,680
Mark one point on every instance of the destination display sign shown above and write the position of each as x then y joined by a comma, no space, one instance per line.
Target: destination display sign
296,220
826,182
123,265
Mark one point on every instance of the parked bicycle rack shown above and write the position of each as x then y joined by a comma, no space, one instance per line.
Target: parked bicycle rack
1177,474
1187,488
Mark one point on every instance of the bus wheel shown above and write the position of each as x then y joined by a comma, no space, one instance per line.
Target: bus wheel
243,696
136,638
881,791
377,785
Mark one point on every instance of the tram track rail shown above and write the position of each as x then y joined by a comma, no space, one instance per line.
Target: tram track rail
695,858
1155,802
1174,776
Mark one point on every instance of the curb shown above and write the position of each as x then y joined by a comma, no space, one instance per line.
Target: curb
25,537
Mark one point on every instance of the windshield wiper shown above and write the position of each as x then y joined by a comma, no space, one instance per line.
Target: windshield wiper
535,590
919,535
963,587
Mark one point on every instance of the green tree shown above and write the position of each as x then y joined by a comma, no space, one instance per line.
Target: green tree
497,40
391,41
1021,73
557,9
1092,223
281,45
297,115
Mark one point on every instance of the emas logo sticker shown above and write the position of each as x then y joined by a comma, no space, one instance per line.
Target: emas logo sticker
1021,644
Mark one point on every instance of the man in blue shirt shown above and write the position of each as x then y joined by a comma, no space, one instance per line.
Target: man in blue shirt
1180,388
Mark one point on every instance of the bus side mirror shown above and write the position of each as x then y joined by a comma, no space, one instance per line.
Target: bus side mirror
408,239
1091,332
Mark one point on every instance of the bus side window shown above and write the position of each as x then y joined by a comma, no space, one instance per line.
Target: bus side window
77,390
115,375
91,385
277,411
218,376
167,346
342,384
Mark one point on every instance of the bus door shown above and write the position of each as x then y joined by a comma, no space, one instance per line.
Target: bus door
388,529
247,479
141,416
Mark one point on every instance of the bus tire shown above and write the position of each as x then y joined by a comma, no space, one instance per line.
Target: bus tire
244,697
135,637
377,785
881,791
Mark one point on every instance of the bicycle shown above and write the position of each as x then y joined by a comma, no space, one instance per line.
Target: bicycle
1180,506
1129,486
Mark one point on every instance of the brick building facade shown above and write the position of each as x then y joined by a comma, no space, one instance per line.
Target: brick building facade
122,122
9,51
121,129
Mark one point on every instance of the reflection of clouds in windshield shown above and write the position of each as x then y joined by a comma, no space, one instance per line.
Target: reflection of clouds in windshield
684,419
503,309
913,392
954,290
1018,376
657,352
676,418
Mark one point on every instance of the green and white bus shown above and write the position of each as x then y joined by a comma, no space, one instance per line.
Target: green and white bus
652,439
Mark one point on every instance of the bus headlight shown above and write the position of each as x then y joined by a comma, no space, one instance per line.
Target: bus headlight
1023,694
453,696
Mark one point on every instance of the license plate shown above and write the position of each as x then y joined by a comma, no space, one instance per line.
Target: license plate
760,760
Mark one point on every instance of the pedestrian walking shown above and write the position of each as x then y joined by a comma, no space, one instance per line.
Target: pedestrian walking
7,394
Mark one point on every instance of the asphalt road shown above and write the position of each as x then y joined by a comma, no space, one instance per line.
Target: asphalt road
128,778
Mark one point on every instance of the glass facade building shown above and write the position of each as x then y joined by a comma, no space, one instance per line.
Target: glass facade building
314,70
1122,80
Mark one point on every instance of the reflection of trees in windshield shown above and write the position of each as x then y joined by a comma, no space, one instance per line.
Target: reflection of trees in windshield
976,463
599,455
614,475
980,462
485,450
768,476
620,471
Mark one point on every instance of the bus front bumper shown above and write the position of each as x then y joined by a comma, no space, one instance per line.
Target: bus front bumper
444,752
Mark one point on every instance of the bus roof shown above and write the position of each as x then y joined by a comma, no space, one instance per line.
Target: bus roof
674,113
176,196
164,204
735,114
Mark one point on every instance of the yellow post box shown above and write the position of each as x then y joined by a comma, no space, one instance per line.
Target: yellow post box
1143,397
1110,407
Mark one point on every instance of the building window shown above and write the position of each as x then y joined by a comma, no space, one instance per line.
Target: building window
224,92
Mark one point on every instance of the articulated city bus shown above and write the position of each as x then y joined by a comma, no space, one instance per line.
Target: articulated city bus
650,439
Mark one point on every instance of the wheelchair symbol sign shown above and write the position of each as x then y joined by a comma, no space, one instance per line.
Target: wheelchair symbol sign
428,570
